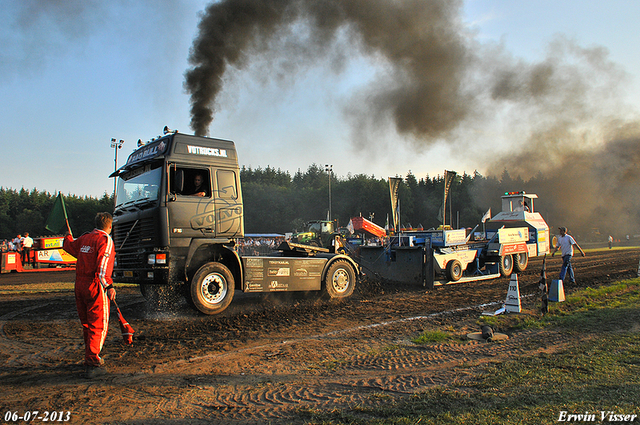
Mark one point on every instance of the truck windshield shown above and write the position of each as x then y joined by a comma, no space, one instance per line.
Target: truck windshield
138,186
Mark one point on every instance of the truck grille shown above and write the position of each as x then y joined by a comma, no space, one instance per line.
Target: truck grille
142,236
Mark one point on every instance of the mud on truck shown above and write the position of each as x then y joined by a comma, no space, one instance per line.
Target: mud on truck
177,216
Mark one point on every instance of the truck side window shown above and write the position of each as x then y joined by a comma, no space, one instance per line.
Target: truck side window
194,182
227,184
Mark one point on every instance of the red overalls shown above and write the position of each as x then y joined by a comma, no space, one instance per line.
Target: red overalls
95,254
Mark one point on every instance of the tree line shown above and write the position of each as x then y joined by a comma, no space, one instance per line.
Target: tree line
277,202
27,211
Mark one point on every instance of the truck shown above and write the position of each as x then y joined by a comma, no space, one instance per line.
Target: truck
446,255
178,214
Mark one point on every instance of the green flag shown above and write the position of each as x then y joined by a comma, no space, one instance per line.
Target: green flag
57,220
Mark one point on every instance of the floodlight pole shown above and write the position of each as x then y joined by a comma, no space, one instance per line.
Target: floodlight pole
329,169
115,145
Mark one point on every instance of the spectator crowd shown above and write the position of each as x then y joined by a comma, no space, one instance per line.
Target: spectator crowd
21,244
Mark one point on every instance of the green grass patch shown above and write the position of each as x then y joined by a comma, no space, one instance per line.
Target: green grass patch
600,373
432,337
439,336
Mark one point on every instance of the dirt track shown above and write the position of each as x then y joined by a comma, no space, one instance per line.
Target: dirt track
266,359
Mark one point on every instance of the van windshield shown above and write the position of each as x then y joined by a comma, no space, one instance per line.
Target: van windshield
138,186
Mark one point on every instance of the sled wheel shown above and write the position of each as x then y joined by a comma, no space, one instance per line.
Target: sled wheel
340,280
521,261
506,265
454,270
212,288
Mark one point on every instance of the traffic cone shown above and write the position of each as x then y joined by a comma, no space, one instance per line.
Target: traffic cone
556,292
513,305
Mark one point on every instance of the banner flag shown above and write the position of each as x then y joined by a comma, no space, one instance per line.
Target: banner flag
486,215
448,178
57,219
440,215
350,227
394,187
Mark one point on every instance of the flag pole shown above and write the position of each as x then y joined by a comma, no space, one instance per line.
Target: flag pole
68,227
66,218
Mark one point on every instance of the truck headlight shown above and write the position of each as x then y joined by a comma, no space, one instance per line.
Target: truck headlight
157,259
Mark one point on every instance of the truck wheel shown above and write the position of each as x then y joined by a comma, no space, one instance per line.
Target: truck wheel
454,270
340,280
212,288
522,260
506,265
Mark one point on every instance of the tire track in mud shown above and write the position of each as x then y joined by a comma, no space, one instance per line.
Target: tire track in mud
60,343
349,380
273,364
18,354
402,371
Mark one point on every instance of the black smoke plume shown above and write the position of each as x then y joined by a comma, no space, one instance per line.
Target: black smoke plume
420,40
562,116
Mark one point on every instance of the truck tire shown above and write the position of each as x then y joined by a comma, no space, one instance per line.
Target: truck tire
454,270
521,261
340,280
506,265
212,288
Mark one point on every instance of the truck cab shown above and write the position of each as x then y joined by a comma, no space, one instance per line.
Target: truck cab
178,213
163,230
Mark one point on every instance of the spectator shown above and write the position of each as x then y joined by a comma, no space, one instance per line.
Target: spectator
27,244
17,243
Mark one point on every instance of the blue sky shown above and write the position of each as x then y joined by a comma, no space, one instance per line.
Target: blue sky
74,76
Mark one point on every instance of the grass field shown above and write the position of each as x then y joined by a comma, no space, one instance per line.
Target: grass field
596,380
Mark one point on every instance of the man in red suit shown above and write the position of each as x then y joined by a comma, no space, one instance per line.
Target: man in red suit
94,288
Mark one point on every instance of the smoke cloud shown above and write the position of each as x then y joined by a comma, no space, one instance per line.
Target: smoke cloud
422,42
560,116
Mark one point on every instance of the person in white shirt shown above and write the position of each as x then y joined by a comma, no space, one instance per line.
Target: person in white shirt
27,244
565,244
